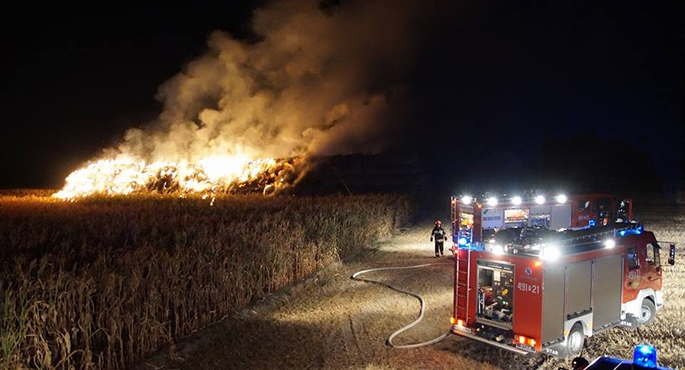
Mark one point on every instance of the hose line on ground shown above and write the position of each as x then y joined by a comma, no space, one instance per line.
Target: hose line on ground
423,304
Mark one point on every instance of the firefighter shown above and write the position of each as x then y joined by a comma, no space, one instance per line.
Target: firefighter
440,237
603,216
622,213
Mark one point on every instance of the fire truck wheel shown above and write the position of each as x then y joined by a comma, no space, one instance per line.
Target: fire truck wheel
575,340
647,311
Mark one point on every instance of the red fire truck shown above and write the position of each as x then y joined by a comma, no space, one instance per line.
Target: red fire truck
557,279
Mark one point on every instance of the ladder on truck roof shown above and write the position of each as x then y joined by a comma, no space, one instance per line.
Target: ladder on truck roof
462,274
593,234
598,234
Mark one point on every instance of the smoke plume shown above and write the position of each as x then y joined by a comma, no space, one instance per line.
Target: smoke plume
322,79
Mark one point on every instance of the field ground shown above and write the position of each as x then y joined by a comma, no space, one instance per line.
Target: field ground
330,321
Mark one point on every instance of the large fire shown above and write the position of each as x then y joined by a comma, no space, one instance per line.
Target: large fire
212,175
234,110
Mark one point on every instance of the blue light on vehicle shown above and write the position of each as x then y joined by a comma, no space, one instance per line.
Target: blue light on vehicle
462,241
645,356
637,231
591,223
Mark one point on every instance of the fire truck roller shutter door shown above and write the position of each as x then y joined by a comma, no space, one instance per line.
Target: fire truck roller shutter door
607,291
553,303
579,289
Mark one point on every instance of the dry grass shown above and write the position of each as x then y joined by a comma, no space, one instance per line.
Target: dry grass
332,322
104,282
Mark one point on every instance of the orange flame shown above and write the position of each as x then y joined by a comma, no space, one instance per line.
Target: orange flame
211,175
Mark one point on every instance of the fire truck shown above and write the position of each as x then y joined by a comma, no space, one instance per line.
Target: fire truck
531,276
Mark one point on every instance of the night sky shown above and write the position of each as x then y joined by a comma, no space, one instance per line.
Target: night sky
484,84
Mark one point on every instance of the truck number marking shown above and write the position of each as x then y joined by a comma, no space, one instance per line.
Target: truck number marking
492,218
525,287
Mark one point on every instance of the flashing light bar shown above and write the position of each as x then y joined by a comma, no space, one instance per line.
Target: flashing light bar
516,200
636,231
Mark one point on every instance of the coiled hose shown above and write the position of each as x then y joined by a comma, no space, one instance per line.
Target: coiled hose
423,303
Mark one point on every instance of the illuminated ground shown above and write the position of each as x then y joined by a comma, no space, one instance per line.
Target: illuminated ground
333,322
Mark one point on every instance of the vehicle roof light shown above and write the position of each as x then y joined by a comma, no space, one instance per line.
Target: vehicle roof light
517,201
466,199
562,198
540,199
492,201
550,253
645,356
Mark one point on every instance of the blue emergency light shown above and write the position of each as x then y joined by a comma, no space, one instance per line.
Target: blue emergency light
636,231
462,241
645,356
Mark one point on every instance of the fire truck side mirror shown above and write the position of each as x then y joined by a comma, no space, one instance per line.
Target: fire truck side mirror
671,254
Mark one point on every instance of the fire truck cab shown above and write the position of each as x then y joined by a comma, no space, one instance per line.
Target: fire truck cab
557,279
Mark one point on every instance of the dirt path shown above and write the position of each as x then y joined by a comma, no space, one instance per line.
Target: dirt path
332,322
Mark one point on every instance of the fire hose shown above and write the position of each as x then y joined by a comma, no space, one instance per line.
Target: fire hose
421,312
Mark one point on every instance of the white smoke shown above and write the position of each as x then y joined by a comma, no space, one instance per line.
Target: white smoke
316,83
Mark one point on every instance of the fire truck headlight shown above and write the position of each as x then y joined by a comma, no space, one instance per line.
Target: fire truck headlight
609,243
462,241
497,249
466,199
550,253
645,356
540,199
492,201
517,201
562,198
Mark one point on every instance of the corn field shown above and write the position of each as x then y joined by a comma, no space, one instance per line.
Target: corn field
103,282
